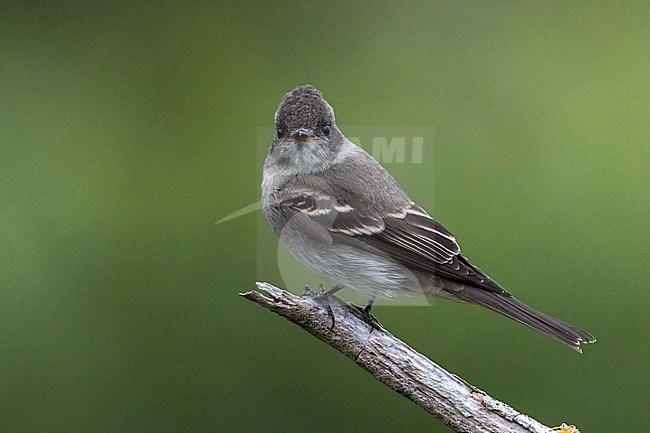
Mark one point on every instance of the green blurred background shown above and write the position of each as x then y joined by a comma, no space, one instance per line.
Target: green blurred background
127,130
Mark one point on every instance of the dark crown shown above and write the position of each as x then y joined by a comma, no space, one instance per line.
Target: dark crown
304,107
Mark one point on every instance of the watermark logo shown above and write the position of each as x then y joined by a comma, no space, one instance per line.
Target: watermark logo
391,146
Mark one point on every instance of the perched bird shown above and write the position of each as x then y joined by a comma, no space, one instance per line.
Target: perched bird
340,213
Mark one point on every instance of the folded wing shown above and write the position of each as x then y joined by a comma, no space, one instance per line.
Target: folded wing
408,235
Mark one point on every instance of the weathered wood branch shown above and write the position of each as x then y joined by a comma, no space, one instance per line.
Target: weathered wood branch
458,404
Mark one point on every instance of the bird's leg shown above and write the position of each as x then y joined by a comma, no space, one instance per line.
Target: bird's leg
366,310
367,317
323,297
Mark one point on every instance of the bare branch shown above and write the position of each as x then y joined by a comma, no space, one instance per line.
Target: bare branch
458,404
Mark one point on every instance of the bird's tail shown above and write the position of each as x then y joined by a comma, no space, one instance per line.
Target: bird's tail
510,307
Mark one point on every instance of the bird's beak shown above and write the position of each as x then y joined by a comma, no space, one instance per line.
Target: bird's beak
302,134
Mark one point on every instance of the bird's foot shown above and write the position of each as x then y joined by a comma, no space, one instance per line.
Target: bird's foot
323,297
367,317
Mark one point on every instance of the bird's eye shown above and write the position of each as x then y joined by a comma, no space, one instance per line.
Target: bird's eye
327,129
280,131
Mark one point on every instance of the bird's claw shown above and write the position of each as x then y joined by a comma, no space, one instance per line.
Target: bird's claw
322,297
367,317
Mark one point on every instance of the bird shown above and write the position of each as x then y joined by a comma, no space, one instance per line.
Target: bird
341,214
